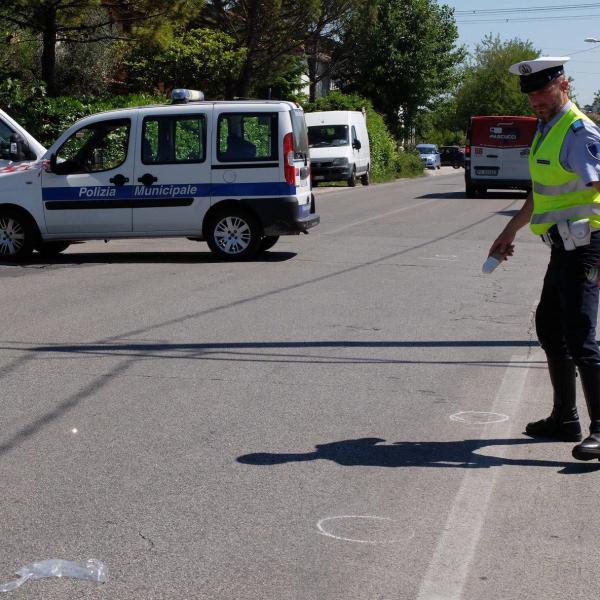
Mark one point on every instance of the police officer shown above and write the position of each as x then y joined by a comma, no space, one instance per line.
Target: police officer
564,209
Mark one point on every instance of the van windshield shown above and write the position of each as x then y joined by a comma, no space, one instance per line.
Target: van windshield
300,134
322,136
426,149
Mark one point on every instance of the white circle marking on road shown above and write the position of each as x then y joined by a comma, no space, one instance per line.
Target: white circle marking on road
476,417
322,530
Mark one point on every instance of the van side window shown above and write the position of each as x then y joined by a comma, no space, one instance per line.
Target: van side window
97,147
247,137
354,136
174,140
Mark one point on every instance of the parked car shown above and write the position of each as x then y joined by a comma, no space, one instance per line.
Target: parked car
452,156
430,155
17,147
339,146
497,153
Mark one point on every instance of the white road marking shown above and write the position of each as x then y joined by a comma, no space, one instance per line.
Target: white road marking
382,216
322,530
477,417
452,558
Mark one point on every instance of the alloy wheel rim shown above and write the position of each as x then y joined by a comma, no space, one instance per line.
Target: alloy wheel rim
232,235
12,236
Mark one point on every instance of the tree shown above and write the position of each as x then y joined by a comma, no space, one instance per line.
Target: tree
487,88
90,21
271,31
326,30
401,54
199,58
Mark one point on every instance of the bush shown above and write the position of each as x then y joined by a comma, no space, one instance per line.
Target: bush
46,118
387,162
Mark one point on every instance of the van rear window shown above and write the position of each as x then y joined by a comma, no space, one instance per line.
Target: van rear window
503,133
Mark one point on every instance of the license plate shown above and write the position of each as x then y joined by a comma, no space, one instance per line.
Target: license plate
493,172
319,177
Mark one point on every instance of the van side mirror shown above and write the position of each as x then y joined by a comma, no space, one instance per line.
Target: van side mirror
19,149
357,145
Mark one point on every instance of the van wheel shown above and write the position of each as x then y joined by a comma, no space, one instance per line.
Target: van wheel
267,242
471,191
17,235
233,234
52,248
365,179
352,178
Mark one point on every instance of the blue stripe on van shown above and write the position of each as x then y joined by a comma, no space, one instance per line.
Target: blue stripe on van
104,192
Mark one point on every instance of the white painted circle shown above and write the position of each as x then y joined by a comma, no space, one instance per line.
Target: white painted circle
364,529
476,417
229,176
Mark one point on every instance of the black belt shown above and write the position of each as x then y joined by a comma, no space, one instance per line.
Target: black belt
553,238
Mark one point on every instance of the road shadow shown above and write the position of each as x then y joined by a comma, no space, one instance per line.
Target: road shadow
82,258
371,452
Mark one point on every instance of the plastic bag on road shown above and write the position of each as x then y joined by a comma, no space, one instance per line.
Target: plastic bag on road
91,570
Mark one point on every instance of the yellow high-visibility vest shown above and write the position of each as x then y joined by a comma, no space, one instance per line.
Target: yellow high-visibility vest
558,194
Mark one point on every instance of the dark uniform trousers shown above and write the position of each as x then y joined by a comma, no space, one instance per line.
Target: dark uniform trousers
565,321
567,313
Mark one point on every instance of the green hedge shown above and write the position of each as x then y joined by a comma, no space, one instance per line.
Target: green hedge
387,162
46,118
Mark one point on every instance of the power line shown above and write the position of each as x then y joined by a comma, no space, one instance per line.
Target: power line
528,19
499,11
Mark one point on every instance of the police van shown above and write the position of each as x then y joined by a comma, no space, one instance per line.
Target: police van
235,174
497,153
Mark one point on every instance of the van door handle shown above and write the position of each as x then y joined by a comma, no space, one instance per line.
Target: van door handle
147,179
491,156
119,179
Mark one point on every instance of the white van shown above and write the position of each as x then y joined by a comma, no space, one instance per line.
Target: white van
234,174
497,153
339,146
16,145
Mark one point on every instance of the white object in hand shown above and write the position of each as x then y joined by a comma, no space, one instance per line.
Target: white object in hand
491,263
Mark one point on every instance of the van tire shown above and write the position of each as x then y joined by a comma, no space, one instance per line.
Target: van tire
352,178
237,226
470,191
267,242
18,235
52,248
364,179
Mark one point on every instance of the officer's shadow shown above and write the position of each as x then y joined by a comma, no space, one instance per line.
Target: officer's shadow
371,452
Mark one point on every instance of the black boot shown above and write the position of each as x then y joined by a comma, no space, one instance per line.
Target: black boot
590,382
563,423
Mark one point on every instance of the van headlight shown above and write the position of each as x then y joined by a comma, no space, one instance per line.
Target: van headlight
340,162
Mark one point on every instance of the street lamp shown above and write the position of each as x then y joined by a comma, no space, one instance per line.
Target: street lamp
593,40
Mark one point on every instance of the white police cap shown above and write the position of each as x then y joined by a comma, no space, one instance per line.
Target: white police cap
538,72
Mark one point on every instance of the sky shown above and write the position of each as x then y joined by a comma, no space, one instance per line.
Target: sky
555,27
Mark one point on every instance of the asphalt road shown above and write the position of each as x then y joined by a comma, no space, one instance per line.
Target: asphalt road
340,419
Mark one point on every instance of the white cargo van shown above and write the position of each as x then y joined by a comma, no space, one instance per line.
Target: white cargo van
497,153
339,146
235,174
16,145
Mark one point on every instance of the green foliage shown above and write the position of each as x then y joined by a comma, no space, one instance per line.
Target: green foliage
401,54
271,31
199,59
46,118
386,161
487,87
